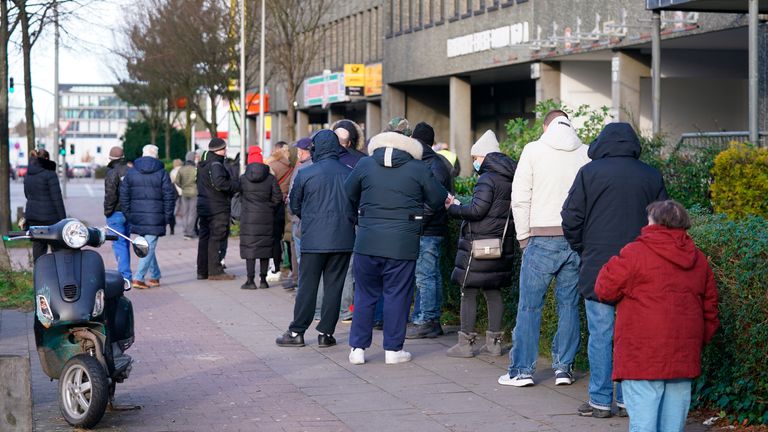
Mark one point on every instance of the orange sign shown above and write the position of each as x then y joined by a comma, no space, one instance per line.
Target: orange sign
373,79
253,103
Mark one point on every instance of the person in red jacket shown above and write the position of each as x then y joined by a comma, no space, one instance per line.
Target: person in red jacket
666,311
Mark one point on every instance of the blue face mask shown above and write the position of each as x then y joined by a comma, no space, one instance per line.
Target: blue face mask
476,164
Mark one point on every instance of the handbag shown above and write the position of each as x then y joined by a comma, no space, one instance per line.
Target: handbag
492,248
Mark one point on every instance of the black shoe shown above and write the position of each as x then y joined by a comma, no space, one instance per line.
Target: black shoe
378,325
202,277
288,340
173,231
263,283
248,285
587,410
325,341
419,331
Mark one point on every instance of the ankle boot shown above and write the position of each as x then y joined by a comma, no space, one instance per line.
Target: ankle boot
465,347
263,283
249,285
493,343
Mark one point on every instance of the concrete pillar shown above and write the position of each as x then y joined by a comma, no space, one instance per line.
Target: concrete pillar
334,115
547,76
393,103
461,121
626,71
372,119
302,124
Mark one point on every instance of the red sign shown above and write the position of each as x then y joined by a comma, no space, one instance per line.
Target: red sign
253,103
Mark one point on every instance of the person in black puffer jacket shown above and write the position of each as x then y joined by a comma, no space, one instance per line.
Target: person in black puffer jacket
116,170
486,217
148,198
261,197
45,206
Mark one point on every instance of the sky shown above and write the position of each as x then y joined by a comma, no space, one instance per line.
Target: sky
84,57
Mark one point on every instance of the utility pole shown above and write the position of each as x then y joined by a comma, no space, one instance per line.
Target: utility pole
243,103
56,102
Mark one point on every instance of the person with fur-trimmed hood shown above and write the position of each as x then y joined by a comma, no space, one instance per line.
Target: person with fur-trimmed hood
352,139
389,189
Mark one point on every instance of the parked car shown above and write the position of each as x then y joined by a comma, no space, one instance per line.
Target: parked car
79,171
21,170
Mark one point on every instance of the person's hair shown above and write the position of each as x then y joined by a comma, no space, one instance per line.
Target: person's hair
280,144
177,163
669,213
42,154
553,115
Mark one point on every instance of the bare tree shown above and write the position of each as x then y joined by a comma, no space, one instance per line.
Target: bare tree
6,28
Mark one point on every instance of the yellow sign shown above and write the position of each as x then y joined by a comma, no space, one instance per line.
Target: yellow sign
354,75
373,79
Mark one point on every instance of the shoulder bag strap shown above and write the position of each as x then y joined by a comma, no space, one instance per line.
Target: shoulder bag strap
506,224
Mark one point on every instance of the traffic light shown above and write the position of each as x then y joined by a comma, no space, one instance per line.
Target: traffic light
10,85
63,147
71,149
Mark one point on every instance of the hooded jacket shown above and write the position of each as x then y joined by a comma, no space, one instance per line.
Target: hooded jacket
436,220
390,189
260,197
318,199
605,208
186,178
351,155
215,186
45,205
116,170
485,217
666,305
147,197
544,174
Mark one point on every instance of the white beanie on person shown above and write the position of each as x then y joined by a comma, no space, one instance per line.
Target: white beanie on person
486,144
150,150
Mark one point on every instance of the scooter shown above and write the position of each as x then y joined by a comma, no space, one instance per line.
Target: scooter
84,323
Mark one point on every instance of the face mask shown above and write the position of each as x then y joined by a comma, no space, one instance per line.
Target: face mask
476,164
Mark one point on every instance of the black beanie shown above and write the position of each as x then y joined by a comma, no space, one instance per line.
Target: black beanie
424,133
216,144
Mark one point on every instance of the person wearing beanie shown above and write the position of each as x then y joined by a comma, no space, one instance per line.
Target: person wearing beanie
425,320
148,199
398,125
186,180
116,169
261,196
215,188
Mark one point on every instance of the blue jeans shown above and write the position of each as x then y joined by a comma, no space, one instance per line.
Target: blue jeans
348,293
429,281
600,318
121,247
659,405
544,259
149,262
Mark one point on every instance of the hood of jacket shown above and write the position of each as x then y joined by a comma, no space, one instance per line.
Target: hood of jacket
38,165
615,140
148,165
391,149
355,131
561,135
499,163
256,172
325,145
672,244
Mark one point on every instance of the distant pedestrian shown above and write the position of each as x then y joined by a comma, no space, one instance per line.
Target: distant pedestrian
327,237
261,197
487,216
116,219
425,321
186,180
390,189
45,205
666,310
215,188
604,211
174,172
545,171
451,158
147,197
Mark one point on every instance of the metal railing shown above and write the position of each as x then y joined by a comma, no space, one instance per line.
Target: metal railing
696,140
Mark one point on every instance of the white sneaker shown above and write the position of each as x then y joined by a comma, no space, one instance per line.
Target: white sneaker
394,357
520,380
357,356
563,377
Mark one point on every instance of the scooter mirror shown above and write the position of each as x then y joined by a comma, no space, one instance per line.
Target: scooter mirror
140,246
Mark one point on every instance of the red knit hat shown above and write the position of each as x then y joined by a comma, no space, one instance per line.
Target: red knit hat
254,155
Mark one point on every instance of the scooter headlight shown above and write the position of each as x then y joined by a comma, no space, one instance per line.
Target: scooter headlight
98,304
44,314
75,234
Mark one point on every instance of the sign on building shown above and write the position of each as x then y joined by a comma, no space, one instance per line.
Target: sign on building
373,79
324,89
354,79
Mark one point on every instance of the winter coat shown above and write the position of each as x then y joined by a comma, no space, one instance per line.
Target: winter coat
215,186
318,199
484,218
282,170
666,305
295,221
390,189
350,157
147,197
605,208
116,170
436,220
45,205
186,179
260,197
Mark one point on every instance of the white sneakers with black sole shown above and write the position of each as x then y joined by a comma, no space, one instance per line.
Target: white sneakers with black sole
563,378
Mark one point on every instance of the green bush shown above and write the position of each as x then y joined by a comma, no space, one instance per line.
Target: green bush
734,376
740,185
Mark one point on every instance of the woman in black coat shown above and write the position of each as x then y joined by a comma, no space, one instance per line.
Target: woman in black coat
261,196
45,205
486,217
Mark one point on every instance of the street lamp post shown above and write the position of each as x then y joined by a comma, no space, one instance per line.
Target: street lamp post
57,102
243,128
261,79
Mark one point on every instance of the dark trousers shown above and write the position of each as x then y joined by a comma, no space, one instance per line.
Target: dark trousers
250,267
376,277
333,268
213,231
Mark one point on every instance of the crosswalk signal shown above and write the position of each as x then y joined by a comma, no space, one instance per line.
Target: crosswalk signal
71,149
10,85
63,147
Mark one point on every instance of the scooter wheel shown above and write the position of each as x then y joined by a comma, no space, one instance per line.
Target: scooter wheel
83,391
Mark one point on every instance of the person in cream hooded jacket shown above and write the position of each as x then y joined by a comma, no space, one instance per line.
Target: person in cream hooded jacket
544,175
